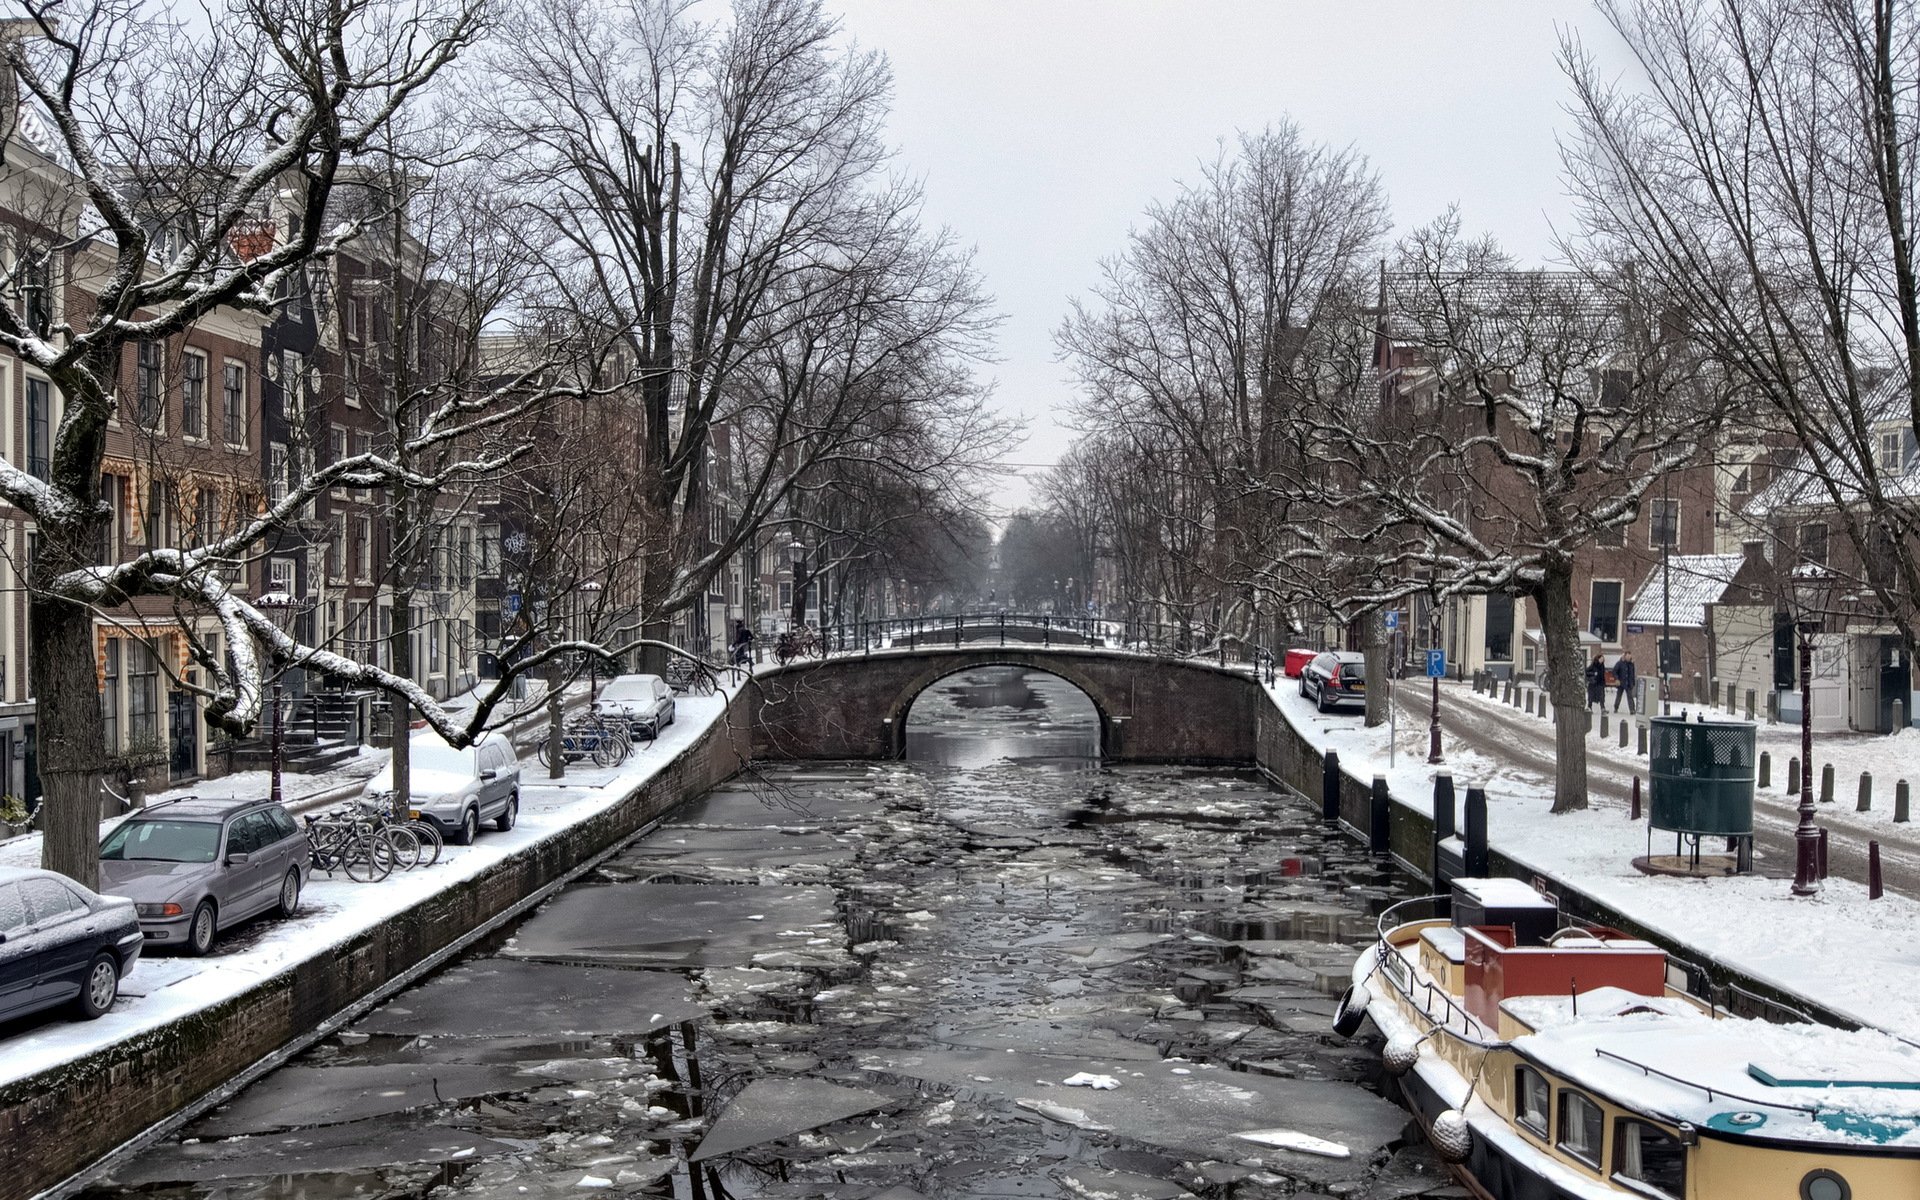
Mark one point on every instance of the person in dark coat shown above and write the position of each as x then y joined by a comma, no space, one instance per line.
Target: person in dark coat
1597,682
1626,676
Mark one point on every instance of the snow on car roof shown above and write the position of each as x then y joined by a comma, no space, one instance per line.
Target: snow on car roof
1836,1086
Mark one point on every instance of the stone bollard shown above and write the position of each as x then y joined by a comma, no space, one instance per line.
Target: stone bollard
1604,729
1626,728
1640,740
1866,793
1901,800
1588,713
1633,810
1773,708
1476,833
1330,786
1378,815
1507,694
1899,715
1529,703
1766,770
1698,693
1793,776
1826,783
1750,699
1443,826
1823,852
1876,885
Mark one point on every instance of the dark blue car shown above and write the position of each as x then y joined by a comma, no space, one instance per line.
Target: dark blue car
61,944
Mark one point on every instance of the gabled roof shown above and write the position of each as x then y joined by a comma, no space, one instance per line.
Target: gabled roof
1697,581
1416,303
1795,482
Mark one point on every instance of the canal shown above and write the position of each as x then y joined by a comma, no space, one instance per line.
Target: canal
996,969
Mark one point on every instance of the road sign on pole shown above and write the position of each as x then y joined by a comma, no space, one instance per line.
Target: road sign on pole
1436,664
1393,619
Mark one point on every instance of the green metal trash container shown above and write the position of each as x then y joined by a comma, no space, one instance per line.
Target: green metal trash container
1702,774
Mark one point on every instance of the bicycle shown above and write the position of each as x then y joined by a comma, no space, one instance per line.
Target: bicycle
431,844
580,740
344,844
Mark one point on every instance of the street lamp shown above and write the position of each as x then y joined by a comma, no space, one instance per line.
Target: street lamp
1806,838
283,609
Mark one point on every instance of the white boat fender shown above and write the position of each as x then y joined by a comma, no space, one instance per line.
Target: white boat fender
1452,1137
1352,1011
1402,1051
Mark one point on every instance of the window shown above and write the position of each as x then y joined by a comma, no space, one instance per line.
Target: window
1582,1125
1893,450
1605,619
280,576
193,395
1615,390
1651,1157
1663,525
1813,543
110,696
109,545
143,691
293,387
1498,644
1531,1100
464,562
206,516
1742,483
489,550
147,384
1611,536
337,550
233,402
39,427
154,517
337,444
363,549
276,473
36,288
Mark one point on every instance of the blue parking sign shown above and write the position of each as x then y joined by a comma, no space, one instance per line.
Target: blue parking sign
1436,664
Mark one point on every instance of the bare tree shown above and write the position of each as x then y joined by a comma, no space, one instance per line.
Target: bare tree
720,191
1759,170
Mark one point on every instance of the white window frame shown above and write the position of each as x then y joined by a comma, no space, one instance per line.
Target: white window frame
1619,609
228,365
205,434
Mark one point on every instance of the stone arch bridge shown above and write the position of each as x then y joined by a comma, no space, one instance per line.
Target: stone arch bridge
1151,709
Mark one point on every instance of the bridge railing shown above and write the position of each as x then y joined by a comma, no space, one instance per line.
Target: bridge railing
1151,639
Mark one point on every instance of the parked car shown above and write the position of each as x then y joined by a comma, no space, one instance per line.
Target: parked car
1335,677
1296,661
62,944
455,790
196,866
644,702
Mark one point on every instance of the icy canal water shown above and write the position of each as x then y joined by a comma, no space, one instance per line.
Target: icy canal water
994,970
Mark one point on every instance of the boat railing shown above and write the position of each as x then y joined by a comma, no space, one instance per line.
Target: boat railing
1712,1093
1401,973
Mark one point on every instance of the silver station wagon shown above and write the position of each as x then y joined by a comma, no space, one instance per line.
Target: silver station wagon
193,867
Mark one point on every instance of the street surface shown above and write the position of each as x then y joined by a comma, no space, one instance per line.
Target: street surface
1526,743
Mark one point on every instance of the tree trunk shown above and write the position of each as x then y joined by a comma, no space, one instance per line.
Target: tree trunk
1567,684
400,645
71,746
1375,647
556,756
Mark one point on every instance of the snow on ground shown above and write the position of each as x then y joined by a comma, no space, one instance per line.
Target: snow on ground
1750,923
1889,759
164,988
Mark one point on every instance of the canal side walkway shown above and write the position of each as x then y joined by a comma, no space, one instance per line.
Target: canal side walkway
163,990
1840,951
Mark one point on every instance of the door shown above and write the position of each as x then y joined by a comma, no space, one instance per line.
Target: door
1895,682
63,927
19,953
496,757
183,719
236,889
1863,682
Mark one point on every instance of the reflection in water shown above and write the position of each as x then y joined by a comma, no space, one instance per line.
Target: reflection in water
995,714
1005,913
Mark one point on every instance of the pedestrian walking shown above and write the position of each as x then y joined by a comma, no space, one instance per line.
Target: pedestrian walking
1597,682
1626,676
742,644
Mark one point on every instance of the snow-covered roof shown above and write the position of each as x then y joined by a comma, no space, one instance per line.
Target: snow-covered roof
1697,581
1741,1077
1797,483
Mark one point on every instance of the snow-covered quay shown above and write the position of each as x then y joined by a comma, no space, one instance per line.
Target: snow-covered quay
185,1026
1838,951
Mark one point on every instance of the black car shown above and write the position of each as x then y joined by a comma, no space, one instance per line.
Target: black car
1335,677
62,944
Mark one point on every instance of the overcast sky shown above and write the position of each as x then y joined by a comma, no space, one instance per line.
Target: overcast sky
1043,128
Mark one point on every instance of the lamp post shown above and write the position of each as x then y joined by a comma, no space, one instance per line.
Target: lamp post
1806,838
284,610
1433,709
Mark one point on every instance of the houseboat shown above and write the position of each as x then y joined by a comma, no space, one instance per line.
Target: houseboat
1550,1063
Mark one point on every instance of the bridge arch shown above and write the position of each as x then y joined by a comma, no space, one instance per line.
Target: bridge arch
918,686
1151,709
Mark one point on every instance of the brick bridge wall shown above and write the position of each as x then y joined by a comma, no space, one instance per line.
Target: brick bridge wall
1151,710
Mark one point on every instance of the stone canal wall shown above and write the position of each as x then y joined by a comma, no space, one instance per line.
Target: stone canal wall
60,1121
1287,755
